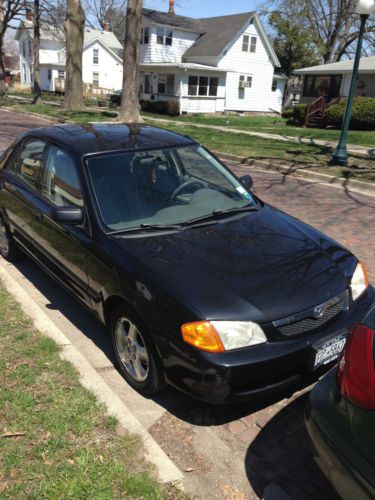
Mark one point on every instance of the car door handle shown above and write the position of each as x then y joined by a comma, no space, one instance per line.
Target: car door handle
38,216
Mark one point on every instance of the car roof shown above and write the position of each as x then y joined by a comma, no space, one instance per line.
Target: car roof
89,138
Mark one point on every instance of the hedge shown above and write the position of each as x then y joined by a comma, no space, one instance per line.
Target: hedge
363,114
171,108
295,115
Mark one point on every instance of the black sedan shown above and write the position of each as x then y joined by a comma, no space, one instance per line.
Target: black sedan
202,284
340,416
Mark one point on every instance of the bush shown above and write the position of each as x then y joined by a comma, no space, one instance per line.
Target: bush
287,113
171,108
299,113
363,114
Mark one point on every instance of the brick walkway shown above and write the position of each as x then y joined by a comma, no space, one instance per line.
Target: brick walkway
272,438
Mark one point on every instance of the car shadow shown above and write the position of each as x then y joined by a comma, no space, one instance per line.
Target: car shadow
178,404
282,455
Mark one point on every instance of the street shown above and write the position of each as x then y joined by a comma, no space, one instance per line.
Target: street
225,452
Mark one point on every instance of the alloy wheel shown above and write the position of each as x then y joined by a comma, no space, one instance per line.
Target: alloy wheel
131,349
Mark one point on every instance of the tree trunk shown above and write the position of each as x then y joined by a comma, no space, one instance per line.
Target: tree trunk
3,89
74,31
37,90
129,111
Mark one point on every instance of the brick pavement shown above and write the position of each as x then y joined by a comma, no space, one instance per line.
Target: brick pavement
273,438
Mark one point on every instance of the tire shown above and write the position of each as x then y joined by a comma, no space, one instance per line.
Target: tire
8,248
136,355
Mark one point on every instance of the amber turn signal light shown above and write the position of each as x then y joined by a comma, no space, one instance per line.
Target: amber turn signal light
203,336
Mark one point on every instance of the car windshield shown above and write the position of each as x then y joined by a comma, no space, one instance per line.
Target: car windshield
169,186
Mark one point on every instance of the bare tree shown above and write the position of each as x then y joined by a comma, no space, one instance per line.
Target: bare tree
9,9
129,111
332,25
74,32
36,49
101,12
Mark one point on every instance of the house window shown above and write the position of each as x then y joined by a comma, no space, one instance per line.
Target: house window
50,74
253,44
30,50
145,36
245,81
95,56
245,43
164,36
148,84
95,79
319,85
274,85
24,73
24,49
60,74
166,84
203,85
214,84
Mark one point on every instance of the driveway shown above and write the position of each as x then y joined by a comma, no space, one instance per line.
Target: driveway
233,452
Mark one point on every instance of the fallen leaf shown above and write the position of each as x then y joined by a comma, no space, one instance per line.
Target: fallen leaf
13,473
3,487
190,469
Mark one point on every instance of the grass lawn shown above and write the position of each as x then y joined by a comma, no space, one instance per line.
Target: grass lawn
274,125
295,154
83,116
56,440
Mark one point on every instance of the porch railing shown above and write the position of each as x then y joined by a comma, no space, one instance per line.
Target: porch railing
316,111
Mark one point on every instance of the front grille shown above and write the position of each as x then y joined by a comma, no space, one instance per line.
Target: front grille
306,322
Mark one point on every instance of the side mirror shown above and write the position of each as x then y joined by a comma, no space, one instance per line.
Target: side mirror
67,215
247,181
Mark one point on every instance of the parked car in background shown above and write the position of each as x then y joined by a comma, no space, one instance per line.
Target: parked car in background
201,283
340,416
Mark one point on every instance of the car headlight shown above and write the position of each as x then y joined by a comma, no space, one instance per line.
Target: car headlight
220,336
359,282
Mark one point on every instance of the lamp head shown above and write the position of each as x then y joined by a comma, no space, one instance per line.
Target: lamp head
365,7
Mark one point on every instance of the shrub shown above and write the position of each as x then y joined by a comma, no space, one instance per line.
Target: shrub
363,114
299,113
287,113
171,108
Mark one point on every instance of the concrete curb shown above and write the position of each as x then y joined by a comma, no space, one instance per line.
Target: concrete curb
347,184
89,377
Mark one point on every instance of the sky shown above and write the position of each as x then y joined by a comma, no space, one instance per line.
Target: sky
205,8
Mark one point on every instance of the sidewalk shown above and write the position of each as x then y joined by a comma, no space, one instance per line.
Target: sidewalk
275,137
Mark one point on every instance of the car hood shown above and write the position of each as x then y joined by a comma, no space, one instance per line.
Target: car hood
262,266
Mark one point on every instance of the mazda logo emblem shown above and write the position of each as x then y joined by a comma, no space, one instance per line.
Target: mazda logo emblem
318,312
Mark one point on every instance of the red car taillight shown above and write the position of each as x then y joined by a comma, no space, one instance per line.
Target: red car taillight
356,369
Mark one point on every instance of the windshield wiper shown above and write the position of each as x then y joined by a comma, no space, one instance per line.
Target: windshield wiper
218,213
148,227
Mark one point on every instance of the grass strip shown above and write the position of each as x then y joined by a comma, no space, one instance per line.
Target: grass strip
56,440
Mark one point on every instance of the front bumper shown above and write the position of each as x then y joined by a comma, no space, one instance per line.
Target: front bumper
257,371
336,451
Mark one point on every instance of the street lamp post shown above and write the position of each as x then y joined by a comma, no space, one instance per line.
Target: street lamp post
340,157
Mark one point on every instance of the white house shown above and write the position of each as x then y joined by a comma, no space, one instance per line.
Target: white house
214,64
101,63
334,79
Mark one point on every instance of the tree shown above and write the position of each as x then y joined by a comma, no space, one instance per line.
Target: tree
292,44
129,110
332,25
74,31
9,9
36,50
107,11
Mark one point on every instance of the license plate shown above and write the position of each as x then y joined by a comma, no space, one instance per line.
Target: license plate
329,351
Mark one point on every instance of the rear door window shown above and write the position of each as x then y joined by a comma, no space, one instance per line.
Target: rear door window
28,164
